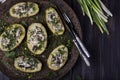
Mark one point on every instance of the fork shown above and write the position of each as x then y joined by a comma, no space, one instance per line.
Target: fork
78,43
76,40
76,36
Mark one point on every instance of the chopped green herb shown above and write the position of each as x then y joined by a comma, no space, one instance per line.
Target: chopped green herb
10,35
69,43
24,23
8,63
3,25
5,15
52,74
32,19
43,14
30,76
10,54
37,17
25,48
34,8
31,5
62,51
43,56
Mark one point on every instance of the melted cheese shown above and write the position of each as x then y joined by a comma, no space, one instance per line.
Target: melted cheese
12,37
24,9
58,57
27,64
36,38
54,21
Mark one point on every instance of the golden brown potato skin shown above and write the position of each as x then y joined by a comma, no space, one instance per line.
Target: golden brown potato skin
20,40
49,61
41,50
50,25
39,66
36,7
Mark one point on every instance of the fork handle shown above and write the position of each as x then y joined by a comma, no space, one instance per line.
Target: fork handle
81,54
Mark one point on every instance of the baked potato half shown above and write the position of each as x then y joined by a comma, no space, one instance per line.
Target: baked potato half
54,21
24,9
12,37
36,38
27,64
58,58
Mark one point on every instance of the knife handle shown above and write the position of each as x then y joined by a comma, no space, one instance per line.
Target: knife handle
83,47
81,54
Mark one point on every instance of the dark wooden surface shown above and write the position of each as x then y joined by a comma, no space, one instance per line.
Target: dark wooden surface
104,50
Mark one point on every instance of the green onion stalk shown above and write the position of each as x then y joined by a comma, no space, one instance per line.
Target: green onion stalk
97,13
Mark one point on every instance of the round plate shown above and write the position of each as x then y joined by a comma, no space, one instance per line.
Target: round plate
46,73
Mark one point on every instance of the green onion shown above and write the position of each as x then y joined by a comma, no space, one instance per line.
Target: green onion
95,9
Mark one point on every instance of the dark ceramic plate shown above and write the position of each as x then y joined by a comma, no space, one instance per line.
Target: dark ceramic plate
6,63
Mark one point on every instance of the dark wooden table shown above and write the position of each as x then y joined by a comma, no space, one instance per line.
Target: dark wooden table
104,49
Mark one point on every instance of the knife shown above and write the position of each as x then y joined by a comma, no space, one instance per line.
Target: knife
77,41
74,33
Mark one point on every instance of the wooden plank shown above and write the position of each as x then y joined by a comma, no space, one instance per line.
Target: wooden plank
105,50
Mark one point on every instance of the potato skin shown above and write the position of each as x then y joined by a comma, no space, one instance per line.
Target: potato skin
39,51
21,37
26,15
52,53
50,25
39,66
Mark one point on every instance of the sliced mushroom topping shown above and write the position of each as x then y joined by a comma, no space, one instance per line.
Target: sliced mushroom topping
12,37
24,9
27,64
58,57
54,21
36,38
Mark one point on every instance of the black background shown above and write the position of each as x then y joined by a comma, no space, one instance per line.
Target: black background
104,49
